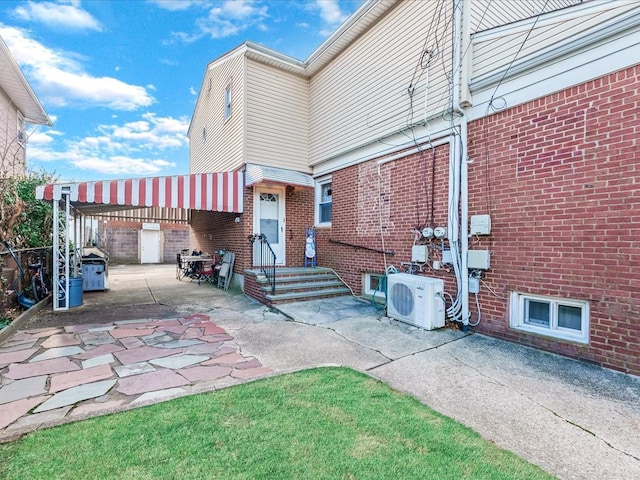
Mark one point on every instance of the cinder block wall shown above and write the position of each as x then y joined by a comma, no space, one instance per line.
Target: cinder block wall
120,239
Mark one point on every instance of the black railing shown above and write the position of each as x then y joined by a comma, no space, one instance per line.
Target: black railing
265,258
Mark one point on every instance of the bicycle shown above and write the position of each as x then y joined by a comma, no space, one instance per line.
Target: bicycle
39,287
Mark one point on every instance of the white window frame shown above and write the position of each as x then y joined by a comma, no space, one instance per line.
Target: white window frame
21,129
367,285
227,102
319,184
519,322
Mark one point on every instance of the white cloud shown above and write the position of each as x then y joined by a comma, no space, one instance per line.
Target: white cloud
330,12
227,19
175,5
128,149
126,166
60,78
58,15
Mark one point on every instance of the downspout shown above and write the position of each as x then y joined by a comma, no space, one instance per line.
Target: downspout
458,6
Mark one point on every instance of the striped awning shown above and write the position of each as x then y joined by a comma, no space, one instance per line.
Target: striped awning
219,192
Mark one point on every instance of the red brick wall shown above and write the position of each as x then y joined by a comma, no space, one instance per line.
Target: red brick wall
404,190
211,231
559,177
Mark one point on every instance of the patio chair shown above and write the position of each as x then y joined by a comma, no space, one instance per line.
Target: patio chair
226,270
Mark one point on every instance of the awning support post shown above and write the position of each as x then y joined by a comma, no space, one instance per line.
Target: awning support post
61,251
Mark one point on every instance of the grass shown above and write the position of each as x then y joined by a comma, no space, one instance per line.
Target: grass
327,423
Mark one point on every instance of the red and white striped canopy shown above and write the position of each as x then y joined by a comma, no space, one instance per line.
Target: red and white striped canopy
220,192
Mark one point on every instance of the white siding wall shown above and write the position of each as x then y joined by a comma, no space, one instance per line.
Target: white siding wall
277,118
495,50
363,94
223,149
491,13
12,153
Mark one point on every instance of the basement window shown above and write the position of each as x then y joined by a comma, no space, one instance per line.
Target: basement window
374,283
561,318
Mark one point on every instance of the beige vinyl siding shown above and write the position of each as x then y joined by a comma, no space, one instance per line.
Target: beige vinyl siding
277,118
223,149
497,51
12,153
486,14
363,94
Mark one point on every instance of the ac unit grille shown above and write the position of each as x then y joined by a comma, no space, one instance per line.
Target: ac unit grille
402,298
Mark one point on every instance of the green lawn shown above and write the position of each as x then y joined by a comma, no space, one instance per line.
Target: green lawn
326,423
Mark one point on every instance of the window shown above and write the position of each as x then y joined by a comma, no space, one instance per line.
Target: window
204,134
323,202
374,283
227,102
555,317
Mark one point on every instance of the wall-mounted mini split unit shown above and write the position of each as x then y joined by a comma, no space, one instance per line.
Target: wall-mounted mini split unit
416,300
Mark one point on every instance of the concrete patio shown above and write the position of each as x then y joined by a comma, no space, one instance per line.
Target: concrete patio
152,337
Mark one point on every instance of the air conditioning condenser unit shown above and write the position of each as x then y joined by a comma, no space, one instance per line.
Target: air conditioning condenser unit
416,300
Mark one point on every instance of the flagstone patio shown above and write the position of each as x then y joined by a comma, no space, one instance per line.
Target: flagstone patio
52,374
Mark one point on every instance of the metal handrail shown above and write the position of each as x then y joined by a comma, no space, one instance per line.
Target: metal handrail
266,259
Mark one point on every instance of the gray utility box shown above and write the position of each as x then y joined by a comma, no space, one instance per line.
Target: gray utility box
94,276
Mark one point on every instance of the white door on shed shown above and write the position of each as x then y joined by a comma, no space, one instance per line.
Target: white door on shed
150,246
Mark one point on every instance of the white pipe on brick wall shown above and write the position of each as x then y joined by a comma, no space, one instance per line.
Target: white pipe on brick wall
462,159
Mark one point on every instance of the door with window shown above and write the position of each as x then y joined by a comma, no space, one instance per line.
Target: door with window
269,220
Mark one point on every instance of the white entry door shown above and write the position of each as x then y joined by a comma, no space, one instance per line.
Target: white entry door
269,220
149,246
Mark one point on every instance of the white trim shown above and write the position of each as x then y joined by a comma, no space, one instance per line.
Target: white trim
518,321
366,277
318,196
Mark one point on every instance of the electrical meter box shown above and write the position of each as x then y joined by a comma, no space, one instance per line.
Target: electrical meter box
419,253
478,260
480,224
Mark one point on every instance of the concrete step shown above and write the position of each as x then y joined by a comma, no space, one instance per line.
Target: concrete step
304,286
299,296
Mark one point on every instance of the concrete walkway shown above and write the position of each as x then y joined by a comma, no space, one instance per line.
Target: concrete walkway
574,420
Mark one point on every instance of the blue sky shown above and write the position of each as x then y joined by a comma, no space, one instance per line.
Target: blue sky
120,78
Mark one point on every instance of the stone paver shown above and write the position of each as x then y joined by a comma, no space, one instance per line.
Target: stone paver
180,343
56,365
159,395
179,361
99,351
15,357
76,394
199,374
60,340
101,360
149,382
144,354
91,408
28,387
134,369
36,420
130,332
10,412
96,338
230,359
73,379
56,353
131,342
77,371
